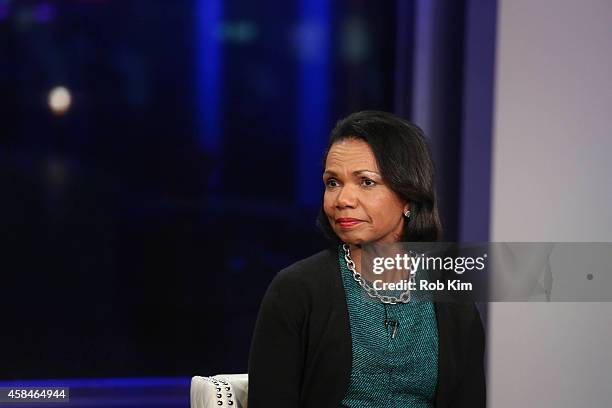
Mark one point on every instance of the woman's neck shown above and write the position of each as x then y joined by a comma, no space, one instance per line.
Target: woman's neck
356,256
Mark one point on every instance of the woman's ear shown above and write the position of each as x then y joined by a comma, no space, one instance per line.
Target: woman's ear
407,210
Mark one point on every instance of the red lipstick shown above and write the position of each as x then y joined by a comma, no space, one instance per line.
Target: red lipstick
346,222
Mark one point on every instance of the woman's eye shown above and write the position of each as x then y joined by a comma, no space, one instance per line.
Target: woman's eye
331,182
368,182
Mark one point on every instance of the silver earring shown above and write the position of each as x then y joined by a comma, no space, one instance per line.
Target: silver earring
407,213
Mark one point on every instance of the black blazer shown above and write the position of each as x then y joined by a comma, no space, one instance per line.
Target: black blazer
301,351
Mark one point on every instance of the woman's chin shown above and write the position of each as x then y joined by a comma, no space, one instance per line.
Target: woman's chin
352,239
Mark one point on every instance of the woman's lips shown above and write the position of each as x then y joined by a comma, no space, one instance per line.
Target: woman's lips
347,222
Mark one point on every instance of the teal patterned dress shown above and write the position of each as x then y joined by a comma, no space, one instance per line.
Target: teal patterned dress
387,371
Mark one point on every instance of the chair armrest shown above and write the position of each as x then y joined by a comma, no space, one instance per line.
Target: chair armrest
222,390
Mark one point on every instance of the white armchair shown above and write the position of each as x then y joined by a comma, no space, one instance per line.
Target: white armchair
222,390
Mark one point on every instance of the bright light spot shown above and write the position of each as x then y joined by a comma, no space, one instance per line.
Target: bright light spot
59,100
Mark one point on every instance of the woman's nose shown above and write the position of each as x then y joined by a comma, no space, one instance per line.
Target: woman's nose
347,197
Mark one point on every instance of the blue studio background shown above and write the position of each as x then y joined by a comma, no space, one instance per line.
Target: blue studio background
144,220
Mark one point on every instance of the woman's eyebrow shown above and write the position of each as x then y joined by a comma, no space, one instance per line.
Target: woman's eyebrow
365,171
355,173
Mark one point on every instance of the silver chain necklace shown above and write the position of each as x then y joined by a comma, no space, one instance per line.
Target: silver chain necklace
371,291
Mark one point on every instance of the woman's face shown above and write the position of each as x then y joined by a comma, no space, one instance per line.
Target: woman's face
360,207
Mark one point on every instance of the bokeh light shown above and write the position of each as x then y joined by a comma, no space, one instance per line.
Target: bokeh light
59,100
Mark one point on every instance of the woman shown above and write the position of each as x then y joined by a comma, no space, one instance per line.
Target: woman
318,341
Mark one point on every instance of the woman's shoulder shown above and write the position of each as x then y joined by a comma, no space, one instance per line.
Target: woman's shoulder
325,258
311,269
303,281
305,268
